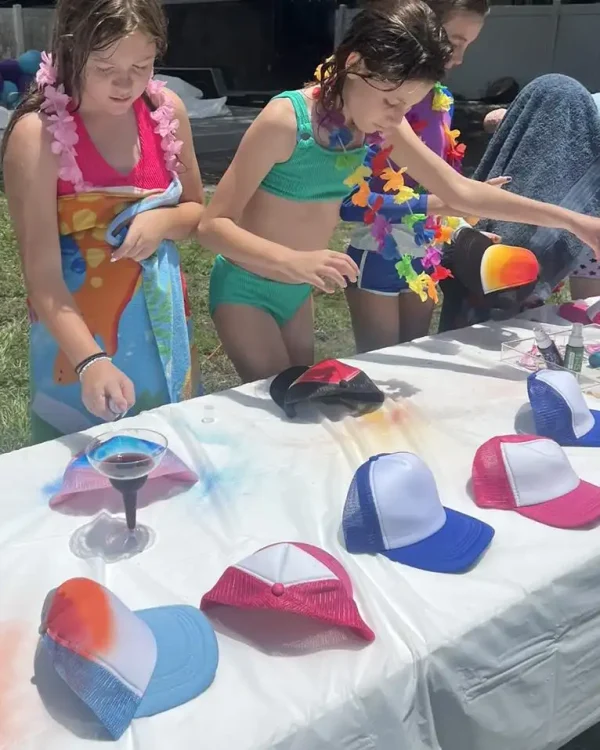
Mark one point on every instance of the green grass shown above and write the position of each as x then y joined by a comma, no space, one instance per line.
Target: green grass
332,329
332,325
14,376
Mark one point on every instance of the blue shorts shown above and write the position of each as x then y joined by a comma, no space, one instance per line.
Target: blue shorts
378,275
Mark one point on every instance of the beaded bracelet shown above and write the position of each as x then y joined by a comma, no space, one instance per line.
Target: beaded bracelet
84,364
89,364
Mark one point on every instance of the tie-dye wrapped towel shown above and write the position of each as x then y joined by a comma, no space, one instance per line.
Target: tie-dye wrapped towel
136,312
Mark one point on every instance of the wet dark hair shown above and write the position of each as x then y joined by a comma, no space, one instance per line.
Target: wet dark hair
445,8
397,41
84,26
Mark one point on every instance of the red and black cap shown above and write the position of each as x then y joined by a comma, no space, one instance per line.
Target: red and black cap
329,381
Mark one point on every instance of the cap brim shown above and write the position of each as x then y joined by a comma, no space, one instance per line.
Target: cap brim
592,438
578,508
187,657
486,268
282,382
454,548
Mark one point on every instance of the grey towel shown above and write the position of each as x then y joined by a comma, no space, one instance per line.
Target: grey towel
549,143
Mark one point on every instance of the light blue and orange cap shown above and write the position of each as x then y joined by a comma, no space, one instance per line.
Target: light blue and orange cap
122,664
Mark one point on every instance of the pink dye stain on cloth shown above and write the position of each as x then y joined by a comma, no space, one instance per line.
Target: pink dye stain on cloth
15,717
396,426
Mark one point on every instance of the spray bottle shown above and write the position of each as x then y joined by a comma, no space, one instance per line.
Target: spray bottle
575,349
547,348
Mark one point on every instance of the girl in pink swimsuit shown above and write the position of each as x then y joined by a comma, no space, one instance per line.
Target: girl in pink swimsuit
101,178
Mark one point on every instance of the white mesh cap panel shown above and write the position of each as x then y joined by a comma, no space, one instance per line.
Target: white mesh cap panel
538,471
134,652
406,499
118,640
287,564
566,385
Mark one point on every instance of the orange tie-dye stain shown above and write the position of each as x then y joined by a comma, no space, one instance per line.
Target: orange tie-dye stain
107,287
391,428
81,617
389,418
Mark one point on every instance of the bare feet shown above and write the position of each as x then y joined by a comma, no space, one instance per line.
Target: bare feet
493,119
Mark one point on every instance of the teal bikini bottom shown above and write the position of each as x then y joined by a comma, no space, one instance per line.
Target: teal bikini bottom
233,285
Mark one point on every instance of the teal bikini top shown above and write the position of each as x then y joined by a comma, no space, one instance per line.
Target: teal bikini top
313,172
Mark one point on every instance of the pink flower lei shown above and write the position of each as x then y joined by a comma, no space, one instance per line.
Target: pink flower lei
167,124
62,127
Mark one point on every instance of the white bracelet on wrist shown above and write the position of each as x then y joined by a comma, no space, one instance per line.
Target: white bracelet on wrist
91,364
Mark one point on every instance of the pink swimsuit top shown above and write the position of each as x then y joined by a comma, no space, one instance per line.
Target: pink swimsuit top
150,172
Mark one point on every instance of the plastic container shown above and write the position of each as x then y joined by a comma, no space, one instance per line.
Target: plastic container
523,354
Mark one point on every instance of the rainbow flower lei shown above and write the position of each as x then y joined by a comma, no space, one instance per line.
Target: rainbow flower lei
430,232
61,124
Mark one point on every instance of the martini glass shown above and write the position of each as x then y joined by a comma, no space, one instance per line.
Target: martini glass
126,457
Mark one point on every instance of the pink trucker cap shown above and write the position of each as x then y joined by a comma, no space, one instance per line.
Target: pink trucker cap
532,476
295,578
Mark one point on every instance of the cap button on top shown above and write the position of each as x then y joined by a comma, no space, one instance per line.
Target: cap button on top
277,589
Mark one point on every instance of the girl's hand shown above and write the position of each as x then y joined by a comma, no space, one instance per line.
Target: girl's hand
499,181
323,269
144,235
492,120
587,228
104,386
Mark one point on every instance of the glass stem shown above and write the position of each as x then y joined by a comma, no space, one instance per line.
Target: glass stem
130,502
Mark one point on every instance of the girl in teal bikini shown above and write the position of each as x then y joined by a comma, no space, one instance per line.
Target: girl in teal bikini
279,201
286,183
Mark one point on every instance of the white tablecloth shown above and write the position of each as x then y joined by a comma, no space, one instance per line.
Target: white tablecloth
505,657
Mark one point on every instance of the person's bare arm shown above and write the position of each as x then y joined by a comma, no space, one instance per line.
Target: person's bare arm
436,207
271,139
175,223
471,198
30,177
185,218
